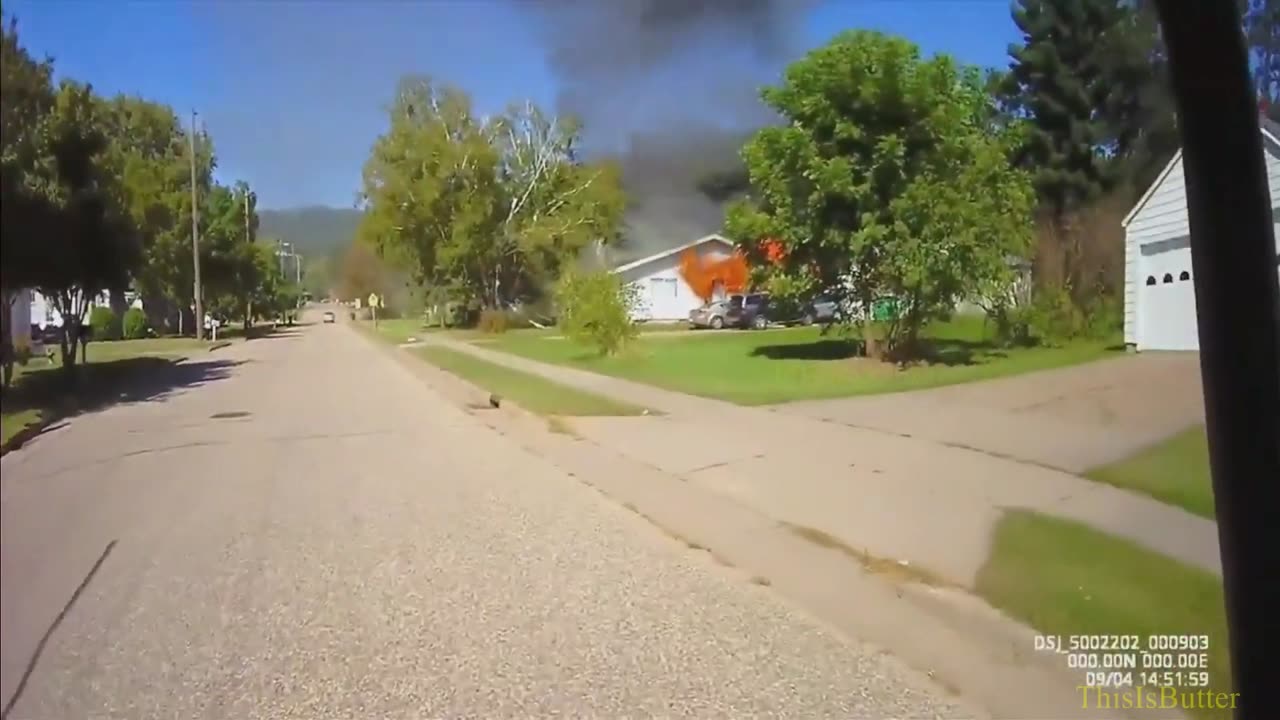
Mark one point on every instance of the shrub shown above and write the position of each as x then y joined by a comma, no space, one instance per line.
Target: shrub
134,325
493,320
595,310
1104,317
1053,318
103,321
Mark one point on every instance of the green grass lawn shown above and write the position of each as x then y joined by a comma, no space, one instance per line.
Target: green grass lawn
11,423
530,392
39,391
772,366
107,350
1176,471
1063,578
398,331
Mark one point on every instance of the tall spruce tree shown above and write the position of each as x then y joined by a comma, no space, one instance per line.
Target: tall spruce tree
1057,81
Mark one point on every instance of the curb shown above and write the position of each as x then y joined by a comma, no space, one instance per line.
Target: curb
462,393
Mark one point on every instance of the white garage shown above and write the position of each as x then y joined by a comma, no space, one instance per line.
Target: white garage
1159,293
662,294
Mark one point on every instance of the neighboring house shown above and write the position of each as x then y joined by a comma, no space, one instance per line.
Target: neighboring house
1159,294
662,293
30,308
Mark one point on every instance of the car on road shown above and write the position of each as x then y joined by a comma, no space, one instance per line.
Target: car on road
710,315
329,316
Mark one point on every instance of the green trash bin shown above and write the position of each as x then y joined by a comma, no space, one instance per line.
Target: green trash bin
884,309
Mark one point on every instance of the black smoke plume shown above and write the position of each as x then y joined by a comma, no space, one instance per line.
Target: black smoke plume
670,88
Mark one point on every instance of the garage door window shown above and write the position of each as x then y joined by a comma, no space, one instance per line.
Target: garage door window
1185,275
1168,278
1151,279
663,287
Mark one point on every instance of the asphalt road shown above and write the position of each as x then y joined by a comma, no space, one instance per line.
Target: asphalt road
297,527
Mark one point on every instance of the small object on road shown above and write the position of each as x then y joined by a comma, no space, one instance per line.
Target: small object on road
495,401
329,317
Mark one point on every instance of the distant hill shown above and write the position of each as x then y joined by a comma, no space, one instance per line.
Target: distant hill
315,231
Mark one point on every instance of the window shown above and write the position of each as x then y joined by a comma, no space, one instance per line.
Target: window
1151,279
1168,278
1184,275
663,287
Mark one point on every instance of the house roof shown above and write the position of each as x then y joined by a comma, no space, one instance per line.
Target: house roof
1270,131
673,251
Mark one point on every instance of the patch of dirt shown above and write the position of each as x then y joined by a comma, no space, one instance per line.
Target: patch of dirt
871,366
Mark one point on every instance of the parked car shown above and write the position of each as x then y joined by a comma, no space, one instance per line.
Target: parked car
821,309
710,315
329,316
748,311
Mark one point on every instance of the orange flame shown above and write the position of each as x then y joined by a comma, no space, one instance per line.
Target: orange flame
703,275
774,250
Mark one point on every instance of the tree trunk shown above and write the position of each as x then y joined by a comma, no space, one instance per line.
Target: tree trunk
118,308
7,348
67,344
871,346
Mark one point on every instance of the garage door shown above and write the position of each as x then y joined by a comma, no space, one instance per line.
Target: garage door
1168,304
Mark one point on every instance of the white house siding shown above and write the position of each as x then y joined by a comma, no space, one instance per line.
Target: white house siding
1164,217
42,313
1157,242
662,294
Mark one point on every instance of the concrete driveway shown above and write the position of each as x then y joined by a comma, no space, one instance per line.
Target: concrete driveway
297,527
1072,418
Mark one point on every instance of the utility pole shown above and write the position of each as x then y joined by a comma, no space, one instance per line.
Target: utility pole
297,267
195,235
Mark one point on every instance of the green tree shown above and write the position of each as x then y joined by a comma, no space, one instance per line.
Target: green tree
888,178
554,204
148,151
26,100
594,309
231,262
1057,81
88,244
491,207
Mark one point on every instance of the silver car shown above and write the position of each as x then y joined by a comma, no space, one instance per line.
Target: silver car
710,315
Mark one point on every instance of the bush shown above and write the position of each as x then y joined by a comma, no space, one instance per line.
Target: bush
493,320
134,325
1104,317
103,321
1053,318
595,310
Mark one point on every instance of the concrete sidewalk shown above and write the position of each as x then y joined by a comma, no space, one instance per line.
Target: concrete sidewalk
891,496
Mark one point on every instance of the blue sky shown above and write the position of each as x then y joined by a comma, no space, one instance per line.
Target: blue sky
294,92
